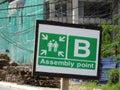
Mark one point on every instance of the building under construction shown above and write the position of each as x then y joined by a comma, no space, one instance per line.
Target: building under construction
18,19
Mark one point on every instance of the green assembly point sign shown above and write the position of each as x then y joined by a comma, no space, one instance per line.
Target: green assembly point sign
66,50
52,45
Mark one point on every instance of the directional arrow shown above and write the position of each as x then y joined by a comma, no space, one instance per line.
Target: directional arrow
43,52
61,53
62,38
44,37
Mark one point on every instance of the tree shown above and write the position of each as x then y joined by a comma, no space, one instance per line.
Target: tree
111,45
111,38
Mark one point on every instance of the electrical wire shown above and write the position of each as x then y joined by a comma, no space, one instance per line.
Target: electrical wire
10,25
20,32
3,2
33,14
27,6
14,43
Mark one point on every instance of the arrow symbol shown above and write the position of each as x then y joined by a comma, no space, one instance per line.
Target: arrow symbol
62,38
44,37
43,52
61,53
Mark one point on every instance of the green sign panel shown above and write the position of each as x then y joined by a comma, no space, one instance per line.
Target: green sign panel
55,50
52,45
66,50
82,48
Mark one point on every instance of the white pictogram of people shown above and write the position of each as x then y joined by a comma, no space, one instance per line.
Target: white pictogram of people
52,46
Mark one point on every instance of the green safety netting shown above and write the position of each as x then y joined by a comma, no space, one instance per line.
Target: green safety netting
17,28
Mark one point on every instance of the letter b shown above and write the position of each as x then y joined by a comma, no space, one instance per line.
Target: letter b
85,48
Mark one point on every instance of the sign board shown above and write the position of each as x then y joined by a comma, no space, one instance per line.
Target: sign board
66,50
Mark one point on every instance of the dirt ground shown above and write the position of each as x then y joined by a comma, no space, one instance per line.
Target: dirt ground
21,74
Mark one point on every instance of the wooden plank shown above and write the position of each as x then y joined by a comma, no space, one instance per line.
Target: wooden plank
64,83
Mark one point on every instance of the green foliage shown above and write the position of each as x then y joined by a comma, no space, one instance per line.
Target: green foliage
113,75
111,38
111,87
111,48
90,85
